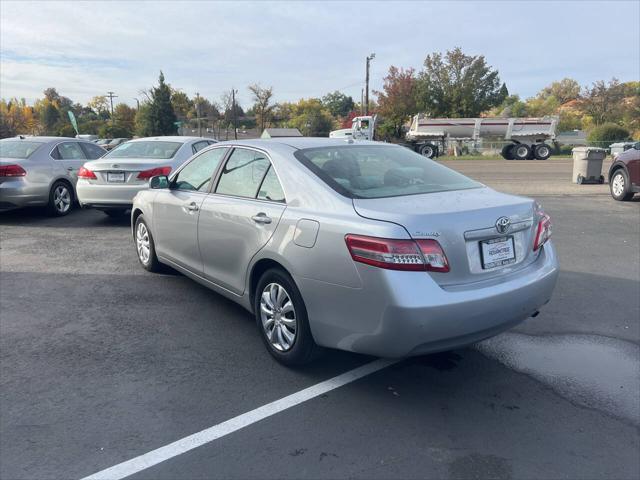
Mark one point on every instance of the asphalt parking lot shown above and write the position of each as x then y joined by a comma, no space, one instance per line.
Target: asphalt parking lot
102,362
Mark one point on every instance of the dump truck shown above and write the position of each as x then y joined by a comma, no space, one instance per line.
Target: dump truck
527,137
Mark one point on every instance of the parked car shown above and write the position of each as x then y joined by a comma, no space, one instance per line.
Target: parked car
103,141
42,171
114,143
624,174
110,183
360,246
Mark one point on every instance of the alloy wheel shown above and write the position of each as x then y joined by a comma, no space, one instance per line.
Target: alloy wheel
278,317
62,199
143,244
618,185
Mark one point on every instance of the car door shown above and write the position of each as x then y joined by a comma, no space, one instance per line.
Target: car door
239,218
69,157
176,210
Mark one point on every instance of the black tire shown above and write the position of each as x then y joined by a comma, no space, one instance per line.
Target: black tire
542,151
428,150
303,348
580,179
150,261
619,182
61,199
115,213
507,151
521,151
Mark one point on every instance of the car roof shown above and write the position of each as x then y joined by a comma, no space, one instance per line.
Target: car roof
168,139
42,139
302,142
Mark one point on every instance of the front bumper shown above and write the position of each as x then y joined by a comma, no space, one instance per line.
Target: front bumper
397,315
101,196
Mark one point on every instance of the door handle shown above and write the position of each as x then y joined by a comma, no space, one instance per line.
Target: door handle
192,207
261,218
70,169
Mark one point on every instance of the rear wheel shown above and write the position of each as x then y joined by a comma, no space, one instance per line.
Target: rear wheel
521,151
619,186
281,316
507,152
542,151
60,199
145,247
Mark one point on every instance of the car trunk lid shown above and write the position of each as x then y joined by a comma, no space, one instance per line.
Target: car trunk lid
123,170
460,220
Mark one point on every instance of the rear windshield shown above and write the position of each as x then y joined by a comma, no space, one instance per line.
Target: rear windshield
18,148
376,171
164,150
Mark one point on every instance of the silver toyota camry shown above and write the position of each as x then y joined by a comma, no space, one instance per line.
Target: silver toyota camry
110,183
366,247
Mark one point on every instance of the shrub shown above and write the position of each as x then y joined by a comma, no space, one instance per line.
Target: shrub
606,134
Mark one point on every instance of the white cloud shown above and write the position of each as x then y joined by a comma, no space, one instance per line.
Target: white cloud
302,49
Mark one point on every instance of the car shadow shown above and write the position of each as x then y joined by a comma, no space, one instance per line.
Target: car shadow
77,218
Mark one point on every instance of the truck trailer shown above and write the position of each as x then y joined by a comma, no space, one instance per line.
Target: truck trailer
527,137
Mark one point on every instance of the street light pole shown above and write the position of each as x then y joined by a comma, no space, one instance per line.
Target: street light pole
137,103
366,92
198,113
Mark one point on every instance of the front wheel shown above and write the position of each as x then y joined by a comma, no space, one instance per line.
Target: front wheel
428,150
619,186
281,316
145,247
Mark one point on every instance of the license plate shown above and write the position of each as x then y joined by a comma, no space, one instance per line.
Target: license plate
115,177
497,252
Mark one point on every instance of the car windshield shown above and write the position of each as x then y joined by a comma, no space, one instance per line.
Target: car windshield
151,149
376,171
18,149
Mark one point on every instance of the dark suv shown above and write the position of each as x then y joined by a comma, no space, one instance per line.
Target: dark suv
624,174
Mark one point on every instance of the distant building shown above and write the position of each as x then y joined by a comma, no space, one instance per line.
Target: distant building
576,138
280,133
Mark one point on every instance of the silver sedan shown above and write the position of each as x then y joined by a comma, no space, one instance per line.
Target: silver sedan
366,247
110,183
37,171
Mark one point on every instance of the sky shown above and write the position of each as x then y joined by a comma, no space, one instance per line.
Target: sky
302,49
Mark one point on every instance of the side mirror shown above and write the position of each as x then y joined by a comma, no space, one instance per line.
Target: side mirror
159,181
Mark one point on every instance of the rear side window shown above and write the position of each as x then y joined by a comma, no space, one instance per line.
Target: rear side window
377,171
271,188
18,148
243,173
92,150
69,151
199,146
197,174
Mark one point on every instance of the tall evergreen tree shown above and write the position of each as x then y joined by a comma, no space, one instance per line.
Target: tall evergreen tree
161,116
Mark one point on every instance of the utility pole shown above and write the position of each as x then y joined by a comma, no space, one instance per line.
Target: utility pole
198,113
366,94
362,101
233,112
137,103
111,97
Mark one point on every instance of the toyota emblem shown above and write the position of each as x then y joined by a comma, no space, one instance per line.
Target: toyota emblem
503,224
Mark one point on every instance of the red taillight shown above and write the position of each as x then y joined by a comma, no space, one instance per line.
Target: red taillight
12,171
543,231
86,173
408,255
154,172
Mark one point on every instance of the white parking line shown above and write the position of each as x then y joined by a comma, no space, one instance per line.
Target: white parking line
234,424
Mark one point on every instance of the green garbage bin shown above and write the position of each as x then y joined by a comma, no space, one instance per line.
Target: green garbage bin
587,164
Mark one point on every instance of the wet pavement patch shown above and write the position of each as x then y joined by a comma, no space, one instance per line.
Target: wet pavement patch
589,370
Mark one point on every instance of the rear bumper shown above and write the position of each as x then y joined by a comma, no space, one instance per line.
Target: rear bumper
396,315
18,193
104,197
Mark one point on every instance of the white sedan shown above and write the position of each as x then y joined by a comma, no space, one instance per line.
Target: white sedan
110,183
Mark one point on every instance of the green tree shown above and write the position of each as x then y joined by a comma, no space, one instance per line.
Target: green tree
311,118
159,118
397,100
338,104
123,122
603,102
606,134
563,91
183,106
262,104
458,85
